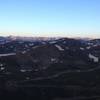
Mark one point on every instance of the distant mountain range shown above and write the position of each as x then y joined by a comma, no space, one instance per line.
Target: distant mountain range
65,51
51,61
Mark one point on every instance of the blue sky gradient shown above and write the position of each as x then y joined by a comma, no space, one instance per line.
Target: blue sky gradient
50,17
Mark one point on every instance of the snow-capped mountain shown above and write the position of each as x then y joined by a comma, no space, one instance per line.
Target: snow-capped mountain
56,63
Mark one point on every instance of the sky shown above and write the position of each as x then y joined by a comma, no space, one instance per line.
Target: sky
71,18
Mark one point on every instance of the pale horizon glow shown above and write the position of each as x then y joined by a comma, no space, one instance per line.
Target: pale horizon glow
50,18
51,35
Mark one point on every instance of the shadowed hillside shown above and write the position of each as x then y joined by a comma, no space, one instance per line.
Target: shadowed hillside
51,69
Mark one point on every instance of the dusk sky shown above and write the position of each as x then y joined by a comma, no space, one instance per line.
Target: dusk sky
75,18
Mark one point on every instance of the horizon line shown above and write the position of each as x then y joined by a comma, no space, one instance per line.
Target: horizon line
77,37
51,34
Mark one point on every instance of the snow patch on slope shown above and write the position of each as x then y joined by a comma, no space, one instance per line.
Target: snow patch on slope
95,59
59,47
7,54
